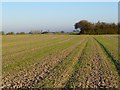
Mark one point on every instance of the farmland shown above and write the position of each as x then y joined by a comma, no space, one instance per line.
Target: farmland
60,61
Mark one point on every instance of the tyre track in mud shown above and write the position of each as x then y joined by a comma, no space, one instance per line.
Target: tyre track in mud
94,70
115,63
109,54
28,78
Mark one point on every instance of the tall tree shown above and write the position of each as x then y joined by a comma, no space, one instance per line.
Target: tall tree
96,28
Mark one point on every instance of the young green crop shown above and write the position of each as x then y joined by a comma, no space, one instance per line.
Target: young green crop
58,61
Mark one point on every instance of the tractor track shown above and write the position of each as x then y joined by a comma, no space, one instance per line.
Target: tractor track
94,70
84,64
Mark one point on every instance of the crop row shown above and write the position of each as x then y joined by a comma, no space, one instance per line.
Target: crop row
61,61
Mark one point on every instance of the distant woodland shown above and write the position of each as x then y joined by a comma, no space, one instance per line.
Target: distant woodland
98,28
82,27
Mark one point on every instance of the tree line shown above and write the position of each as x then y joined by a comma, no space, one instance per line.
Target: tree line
22,33
82,27
32,32
98,28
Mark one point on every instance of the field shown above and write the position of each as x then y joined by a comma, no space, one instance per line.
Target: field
60,61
